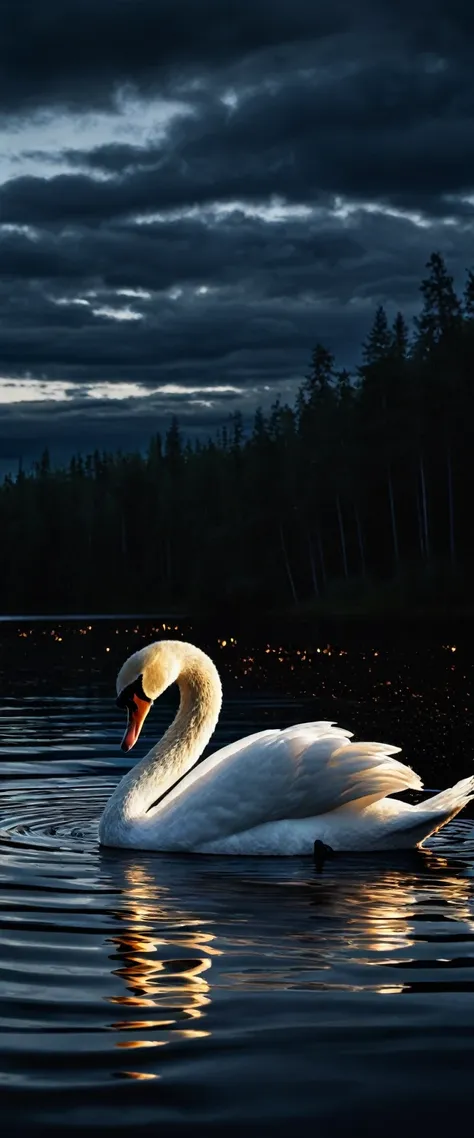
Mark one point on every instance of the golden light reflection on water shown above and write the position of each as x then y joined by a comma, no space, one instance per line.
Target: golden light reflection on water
380,921
158,983
387,912
358,927
139,1075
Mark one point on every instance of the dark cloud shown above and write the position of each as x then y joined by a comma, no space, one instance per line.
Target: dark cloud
79,52
273,288
395,130
165,252
184,251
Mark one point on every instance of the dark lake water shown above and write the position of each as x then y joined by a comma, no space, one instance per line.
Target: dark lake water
156,994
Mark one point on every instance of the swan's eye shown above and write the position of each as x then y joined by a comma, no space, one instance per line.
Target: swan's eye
138,690
124,701
126,698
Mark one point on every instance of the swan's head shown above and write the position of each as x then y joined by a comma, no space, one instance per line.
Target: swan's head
141,679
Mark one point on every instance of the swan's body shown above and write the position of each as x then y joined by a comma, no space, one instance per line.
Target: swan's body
272,793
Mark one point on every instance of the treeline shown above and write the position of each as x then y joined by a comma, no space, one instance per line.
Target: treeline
360,494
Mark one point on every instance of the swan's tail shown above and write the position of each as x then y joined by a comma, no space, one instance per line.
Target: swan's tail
449,802
430,816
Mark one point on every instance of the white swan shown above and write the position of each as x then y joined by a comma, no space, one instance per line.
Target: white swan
273,793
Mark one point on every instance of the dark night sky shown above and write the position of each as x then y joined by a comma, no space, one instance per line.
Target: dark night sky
193,191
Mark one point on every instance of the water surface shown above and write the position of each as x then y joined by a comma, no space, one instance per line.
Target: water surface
149,994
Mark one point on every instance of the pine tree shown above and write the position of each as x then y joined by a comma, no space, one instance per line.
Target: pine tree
236,431
400,339
375,371
468,296
44,466
320,380
378,344
173,446
259,432
344,388
441,315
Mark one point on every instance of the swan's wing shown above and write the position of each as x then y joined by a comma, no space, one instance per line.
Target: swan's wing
300,772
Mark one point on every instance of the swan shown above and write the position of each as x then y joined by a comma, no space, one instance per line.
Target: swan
272,793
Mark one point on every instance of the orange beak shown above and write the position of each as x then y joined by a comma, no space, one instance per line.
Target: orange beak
136,719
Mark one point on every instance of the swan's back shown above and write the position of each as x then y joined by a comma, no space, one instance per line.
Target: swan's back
300,772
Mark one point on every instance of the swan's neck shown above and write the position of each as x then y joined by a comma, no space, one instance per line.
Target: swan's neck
180,746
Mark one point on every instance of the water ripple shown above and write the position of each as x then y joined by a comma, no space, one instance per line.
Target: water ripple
160,986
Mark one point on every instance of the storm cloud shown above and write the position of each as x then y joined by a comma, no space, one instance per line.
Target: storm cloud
191,195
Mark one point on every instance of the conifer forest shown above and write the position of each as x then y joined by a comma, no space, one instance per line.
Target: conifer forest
357,498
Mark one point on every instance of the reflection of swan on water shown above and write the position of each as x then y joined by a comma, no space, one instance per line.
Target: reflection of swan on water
397,923
177,982
352,931
165,994
275,792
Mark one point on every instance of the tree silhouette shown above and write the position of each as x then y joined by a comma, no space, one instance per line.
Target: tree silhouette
360,490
